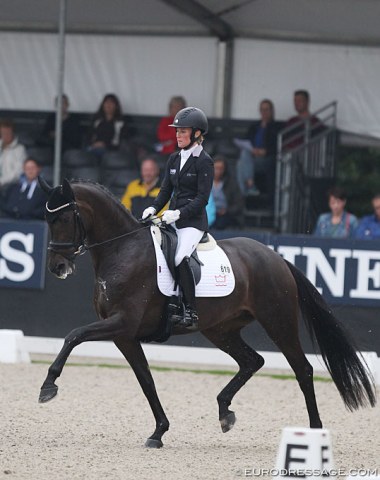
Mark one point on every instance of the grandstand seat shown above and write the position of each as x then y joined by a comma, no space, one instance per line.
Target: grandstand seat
117,180
79,158
48,173
115,160
83,173
43,155
26,138
227,148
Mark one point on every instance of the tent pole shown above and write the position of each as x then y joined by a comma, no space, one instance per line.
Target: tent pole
61,74
223,91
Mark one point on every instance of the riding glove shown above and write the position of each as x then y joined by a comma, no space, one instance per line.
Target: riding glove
148,212
171,216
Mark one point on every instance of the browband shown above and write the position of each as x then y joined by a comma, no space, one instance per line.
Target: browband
53,210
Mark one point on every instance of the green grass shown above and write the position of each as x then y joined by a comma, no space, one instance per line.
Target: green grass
228,373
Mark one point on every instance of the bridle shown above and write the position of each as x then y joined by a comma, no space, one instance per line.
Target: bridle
78,245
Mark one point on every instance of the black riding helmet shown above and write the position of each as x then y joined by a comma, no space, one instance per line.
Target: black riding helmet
191,117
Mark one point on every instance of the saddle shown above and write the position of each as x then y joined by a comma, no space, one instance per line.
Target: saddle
167,237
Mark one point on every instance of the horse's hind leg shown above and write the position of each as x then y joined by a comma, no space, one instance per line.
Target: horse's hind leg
288,342
249,362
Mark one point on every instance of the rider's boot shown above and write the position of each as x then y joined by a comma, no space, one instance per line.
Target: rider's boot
186,280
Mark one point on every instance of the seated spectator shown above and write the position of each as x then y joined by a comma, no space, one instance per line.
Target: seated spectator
296,136
140,193
228,199
369,226
25,199
12,154
258,155
338,223
108,127
167,135
71,132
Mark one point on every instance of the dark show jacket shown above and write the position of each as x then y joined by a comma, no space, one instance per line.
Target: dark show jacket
189,189
18,205
270,136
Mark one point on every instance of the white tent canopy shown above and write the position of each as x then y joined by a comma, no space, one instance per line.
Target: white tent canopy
239,51
346,22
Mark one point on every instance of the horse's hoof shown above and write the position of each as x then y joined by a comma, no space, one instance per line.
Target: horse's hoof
152,443
47,393
228,422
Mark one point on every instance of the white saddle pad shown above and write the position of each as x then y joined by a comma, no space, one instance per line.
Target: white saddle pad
217,278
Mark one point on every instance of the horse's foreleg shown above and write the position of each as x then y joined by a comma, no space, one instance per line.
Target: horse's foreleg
107,329
249,362
135,356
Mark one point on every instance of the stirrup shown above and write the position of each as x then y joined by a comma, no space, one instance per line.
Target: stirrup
189,319
175,311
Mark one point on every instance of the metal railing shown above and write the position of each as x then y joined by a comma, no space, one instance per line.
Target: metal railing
306,155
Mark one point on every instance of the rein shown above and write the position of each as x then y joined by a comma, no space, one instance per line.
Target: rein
98,244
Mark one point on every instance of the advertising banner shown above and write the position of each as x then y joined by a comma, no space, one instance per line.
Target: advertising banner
346,272
22,254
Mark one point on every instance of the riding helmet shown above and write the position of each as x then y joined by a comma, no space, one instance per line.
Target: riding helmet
191,117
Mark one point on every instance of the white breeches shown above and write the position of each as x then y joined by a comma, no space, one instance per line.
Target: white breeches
188,239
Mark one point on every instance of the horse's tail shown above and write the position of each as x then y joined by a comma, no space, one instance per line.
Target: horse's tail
347,367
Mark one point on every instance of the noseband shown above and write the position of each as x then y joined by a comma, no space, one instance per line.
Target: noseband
77,244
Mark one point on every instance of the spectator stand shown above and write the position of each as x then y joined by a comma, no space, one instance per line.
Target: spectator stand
116,169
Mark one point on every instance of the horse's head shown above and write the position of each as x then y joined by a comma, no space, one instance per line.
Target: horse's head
66,228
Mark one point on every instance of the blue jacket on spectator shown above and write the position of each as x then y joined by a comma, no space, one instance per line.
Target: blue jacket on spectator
369,228
346,228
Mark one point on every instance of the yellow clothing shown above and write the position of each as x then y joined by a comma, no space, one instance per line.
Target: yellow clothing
137,198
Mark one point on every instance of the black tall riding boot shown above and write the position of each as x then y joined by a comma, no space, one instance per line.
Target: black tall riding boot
186,282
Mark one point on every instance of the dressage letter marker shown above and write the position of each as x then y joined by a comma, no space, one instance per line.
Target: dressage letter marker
304,452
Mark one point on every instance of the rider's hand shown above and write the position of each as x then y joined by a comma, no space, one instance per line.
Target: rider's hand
148,212
171,216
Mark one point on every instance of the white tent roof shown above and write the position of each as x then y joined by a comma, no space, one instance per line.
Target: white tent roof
331,21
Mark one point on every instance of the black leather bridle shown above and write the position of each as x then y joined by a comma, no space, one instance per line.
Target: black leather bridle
78,244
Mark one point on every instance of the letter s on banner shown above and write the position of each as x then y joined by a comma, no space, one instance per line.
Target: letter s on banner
17,256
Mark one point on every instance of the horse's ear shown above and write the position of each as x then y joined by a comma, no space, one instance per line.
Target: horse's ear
67,191
44,185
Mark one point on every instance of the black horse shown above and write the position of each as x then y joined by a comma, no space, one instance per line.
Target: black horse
85,216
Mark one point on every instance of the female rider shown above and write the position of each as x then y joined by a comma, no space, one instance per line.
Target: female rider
187,184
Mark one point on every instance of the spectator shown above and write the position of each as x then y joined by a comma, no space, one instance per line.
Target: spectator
108,127
71,132
228,199
25,199
369,226
301,122
12,154
259,154
165,134
338,223
140,193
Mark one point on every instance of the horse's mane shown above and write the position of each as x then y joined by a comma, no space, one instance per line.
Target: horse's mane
120,208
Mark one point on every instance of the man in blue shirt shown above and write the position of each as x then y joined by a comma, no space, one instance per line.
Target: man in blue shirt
369,226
